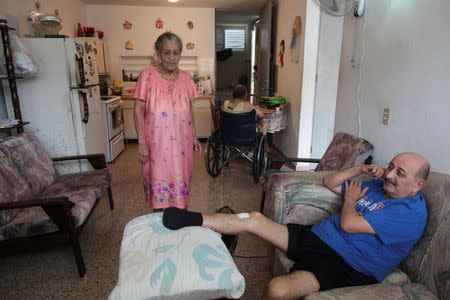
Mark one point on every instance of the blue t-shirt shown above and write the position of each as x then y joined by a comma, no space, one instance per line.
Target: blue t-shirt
398,223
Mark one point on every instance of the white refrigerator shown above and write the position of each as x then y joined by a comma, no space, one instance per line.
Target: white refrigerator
63,102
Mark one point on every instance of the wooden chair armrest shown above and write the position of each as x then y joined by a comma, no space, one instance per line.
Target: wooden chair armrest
40,201
298,159
98,161
59,209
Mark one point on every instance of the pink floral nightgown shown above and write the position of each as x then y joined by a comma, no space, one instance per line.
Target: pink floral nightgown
169,134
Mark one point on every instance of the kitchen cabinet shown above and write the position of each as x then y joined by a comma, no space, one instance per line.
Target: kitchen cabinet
102,55
129,131
202,116
103,58
201,110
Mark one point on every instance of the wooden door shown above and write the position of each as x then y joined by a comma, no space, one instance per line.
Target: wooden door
263,58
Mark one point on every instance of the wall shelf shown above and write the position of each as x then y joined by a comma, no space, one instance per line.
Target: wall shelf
11,77
135,63
16,126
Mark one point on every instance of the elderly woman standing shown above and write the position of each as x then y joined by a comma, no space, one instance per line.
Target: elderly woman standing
165,129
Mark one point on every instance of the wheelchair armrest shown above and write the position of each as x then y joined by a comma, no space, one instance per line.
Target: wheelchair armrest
259,121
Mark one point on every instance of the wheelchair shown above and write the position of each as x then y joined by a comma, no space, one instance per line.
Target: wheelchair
237,132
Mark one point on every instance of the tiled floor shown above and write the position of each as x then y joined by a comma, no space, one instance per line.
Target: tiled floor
52,274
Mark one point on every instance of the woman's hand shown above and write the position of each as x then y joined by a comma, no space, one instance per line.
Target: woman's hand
143,153
197,146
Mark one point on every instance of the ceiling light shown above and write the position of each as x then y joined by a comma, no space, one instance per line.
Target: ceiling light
173,0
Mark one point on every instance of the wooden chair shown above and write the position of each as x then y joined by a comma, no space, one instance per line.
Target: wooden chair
214,115
39,208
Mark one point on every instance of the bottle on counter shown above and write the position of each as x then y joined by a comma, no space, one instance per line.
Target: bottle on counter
79,30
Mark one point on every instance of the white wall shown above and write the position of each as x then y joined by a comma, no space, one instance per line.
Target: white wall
329,56
290,76
71,12
143,34
406,67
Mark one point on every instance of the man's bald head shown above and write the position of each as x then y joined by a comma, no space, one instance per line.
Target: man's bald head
405,175
423,164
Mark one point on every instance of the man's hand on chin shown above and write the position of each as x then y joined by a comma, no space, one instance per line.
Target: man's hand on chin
375,171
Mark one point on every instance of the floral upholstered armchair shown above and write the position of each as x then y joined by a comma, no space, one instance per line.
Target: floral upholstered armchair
343,152
40,208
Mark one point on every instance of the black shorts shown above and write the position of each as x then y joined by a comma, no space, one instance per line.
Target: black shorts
311,254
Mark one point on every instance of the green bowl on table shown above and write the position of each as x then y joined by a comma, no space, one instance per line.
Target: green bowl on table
271,102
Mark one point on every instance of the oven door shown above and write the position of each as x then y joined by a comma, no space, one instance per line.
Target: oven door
114,112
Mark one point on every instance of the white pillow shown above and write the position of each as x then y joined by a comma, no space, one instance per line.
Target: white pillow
189,263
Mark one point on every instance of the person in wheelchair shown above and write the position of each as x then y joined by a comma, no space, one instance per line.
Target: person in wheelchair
242,129
239,105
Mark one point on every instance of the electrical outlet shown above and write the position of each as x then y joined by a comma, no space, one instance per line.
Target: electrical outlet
386,116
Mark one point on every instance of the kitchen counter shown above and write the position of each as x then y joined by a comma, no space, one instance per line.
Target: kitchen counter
212,97
126,97
201,110
130,97
128,127
202,115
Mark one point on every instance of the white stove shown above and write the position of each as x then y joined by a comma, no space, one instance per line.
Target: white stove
112,112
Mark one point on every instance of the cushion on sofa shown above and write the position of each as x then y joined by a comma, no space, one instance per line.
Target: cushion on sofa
309,203
13,188
189,263
344,151
96,180
33,162
276,203
33,221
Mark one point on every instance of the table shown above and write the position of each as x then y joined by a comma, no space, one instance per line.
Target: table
202,115
277,119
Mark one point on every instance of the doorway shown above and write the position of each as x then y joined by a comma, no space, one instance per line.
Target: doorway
234,45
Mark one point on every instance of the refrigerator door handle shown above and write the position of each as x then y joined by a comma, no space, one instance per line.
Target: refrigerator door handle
82,88
85,107
80,65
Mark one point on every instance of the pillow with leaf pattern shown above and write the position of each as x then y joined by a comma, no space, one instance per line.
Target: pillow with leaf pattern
189,263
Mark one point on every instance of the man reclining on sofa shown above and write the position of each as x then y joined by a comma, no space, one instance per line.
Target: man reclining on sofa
381,220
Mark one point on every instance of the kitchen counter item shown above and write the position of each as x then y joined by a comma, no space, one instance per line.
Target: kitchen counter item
47,25
271,102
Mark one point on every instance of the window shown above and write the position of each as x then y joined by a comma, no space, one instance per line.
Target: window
235,38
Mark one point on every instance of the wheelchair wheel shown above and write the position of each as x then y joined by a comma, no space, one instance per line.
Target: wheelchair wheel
213,154
260,156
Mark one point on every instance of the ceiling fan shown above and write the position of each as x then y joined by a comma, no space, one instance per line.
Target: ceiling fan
340,8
